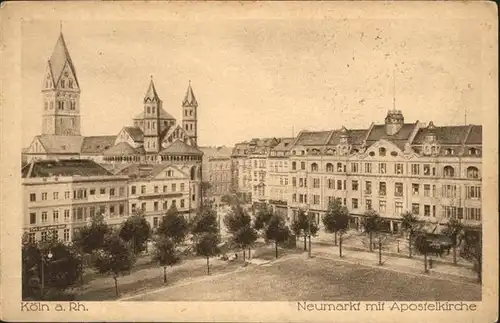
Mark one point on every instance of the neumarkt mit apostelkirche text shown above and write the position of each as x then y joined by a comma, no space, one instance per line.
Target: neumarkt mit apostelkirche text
391,306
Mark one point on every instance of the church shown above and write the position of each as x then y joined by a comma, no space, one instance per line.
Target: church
154,137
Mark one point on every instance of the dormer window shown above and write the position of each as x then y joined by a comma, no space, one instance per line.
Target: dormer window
448,151
381,151
472,151
70,84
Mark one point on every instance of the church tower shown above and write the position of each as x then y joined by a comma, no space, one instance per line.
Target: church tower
189,115
151,122
61,94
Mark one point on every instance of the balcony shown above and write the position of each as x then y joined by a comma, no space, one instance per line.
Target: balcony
161,195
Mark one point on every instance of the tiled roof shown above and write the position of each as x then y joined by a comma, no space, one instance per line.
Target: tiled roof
163,115
284,144
122,149
46,168
312,138
475,136
55,144
97,144
136,133
178,147
446,135
216,152
378,132
58,60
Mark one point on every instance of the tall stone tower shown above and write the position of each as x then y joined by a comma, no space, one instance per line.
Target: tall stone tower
393,121
151,123
189,115
61,94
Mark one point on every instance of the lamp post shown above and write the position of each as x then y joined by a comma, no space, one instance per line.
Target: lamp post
49,256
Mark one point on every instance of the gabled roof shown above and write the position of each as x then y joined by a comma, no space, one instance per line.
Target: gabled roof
136,133
73,167
178,147
163,115
97,144
55,144
151,94
312,138
216,152
189,98
451,135
122,149
157,169
284,144
60,56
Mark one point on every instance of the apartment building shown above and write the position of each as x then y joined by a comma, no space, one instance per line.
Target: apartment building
217,168
61,196
277,176
395,167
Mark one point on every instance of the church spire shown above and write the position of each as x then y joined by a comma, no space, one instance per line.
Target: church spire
189,98
60,58
151,94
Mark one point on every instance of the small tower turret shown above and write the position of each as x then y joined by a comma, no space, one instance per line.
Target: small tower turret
393,121
190,115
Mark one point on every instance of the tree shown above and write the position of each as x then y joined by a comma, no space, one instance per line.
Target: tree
205,221
205,188
207,246
136,229
473,251
277,231
412,225
422,245
304,226
91,236
336,220
60,271
262,217
165,253
371,223
454,230
114,258
174,226
239,225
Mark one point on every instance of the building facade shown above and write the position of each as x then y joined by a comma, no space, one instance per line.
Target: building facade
218,172
61,196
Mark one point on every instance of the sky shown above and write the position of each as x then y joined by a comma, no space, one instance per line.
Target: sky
262,78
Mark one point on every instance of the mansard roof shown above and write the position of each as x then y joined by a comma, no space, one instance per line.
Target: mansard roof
179,147
452,135
60,56
71,167
475,135
378,132
97,144
313,138
284,145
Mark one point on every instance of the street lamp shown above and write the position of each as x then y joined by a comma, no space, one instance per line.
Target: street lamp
49,256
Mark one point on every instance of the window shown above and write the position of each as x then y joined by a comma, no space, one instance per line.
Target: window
174,202
62,84
44,235
381,151
382,206
302,165
155,206
473,214
156,189
70,84
294,197
398,208
368,168
286,180
472,172
155,222
31,237
32,218
55,195
294,165
415,169
66,215
314,167
382,168
66,235
434,191
339,167
165,205
102,190
415,189
111,192
427,190
102,210
473,192
316,199
294,181
427,169
182,187
448,171
122,191
55,234
434,211
398,169
174,187
301,198
339,184
44,196
44,217
32,197
450,212
355,185
354,203
315,182
368,187
382,189
449,191
143,206
55,216
92,191
66,195
329,168
398,189
331,184
143,189
427,210
415,208
170,173
354,167
368,204
164,188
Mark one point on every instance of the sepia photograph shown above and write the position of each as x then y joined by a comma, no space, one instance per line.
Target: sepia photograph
319,159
